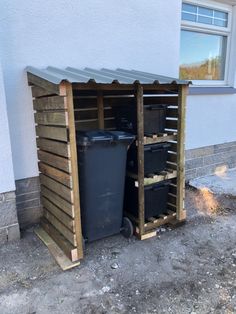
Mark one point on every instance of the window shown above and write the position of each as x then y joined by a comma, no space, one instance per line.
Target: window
204,44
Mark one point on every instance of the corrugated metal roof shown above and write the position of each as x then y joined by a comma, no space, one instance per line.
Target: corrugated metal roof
104,76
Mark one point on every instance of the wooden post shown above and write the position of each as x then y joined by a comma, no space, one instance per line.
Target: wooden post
74,168
180,211
140,140
100,110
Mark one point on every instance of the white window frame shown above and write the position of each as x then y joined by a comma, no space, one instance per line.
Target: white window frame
215,30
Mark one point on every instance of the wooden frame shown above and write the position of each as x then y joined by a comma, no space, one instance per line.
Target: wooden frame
62,108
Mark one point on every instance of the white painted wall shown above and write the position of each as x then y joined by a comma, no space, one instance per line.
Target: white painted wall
7,182
137,34
210,120
109,33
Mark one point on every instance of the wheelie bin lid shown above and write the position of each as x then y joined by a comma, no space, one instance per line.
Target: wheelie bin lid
89,137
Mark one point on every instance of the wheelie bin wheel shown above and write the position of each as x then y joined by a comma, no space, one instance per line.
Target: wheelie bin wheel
127,229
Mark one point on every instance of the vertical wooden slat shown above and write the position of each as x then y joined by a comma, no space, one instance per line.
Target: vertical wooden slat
100,106
74,167
140,138
180,212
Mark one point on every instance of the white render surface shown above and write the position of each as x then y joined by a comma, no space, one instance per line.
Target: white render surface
221,183
7,182
129,34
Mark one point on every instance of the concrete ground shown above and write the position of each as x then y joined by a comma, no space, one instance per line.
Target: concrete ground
222,182
191,269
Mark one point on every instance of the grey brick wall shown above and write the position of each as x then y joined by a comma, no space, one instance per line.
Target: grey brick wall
9,227
28,201
206,160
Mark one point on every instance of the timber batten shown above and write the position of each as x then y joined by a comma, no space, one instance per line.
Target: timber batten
64,104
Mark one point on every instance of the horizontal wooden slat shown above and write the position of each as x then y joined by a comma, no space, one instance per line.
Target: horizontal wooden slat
171,199
55,147
54,160
49,103
52,132
57,187
172,124
91,114
173,189
172,166
40,92
51,118
58,201
65,245
172,113
173,147
59,214
172,157
86,125
56,174
38,81
70,236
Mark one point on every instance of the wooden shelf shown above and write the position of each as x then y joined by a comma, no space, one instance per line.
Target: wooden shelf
159,138
154,178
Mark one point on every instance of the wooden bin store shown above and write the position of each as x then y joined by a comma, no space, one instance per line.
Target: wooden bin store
68,100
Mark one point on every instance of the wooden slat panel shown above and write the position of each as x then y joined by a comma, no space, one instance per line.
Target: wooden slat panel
100,106
172,157
50,87
86,125
52,132
59,214
173,147
54,160
172,189
65,245
56,174
51,118
171,199
171,124
40,92
172,113
55,147
92,114
74,164
58,201
57,187
70,236
49,103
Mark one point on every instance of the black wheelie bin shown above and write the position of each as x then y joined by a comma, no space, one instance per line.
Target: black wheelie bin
102,164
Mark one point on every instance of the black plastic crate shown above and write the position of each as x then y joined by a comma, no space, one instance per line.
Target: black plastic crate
155,156
155,198
154,118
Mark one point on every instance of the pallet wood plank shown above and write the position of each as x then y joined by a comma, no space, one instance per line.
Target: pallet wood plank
65,245
58,148
57,187
58,201
52,132
70,236
51,118
62,260
59,214
59,162
49,103
172,112
55,174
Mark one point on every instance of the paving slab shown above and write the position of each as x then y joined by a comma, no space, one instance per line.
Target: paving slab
222,182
